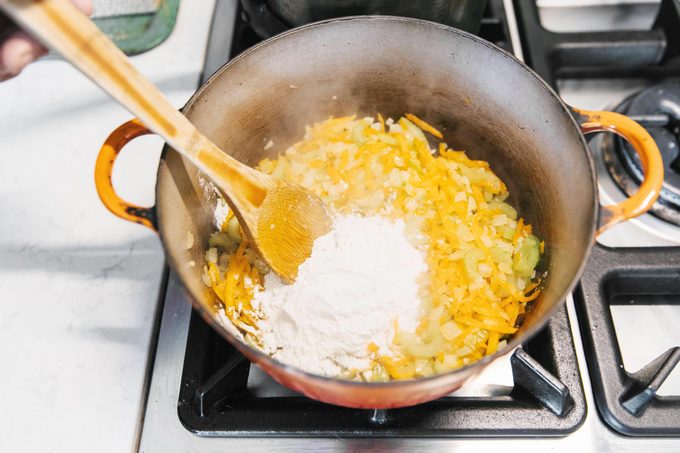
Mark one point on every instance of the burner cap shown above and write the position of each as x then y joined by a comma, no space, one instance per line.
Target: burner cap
658,109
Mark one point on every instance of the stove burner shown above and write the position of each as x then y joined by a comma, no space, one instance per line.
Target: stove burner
658,109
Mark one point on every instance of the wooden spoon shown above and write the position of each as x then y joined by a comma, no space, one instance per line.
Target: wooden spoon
281,219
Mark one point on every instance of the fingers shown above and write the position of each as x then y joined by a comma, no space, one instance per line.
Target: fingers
84,5
17,51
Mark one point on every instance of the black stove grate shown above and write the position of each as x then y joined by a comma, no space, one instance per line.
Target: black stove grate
627,401
216,400
653,53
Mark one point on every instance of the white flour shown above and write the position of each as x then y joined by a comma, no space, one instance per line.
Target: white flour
360,278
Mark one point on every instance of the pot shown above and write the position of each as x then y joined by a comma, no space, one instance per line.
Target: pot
484,101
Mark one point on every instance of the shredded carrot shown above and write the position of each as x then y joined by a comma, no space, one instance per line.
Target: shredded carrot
528,295
518,231
424,126
492,343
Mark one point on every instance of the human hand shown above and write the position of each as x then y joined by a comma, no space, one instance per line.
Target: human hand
18,48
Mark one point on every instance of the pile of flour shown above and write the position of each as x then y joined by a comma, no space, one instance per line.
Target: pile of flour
359,279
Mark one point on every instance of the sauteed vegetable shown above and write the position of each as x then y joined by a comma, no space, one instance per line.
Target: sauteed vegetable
481,257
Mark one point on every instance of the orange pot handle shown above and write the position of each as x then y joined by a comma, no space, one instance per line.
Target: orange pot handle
104,168
646,149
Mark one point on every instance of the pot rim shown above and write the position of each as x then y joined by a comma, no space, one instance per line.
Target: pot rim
516,340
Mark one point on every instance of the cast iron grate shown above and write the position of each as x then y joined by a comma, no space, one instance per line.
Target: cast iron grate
628,402
216,400
651,53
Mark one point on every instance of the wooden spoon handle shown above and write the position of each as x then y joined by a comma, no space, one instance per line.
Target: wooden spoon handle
60,25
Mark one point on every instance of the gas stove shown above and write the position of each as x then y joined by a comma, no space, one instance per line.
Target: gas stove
598,377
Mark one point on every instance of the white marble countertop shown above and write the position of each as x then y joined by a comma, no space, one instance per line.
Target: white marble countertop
78,286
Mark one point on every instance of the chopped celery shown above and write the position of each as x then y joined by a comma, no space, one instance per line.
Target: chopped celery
474,174
526,258
504,208
501,256
472,257
507,232
222,240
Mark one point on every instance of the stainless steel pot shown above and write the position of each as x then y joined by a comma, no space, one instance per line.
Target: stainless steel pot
483,99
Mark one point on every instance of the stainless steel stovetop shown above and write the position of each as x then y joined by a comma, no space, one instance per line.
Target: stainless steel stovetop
643,332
